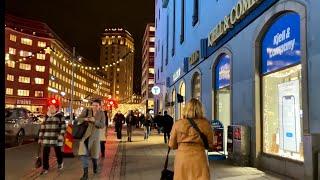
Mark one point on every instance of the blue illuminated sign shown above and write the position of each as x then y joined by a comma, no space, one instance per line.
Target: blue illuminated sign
281,43
222,70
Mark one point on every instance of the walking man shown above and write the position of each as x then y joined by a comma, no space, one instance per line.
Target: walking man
130,120
118,120
167,126
147,124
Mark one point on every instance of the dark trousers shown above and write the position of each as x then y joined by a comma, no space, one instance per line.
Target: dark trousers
118,130
103,147
46,153
166,135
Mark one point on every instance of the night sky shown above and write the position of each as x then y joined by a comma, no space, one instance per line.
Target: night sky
80,22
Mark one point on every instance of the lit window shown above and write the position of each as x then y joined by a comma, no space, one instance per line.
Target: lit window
9,91
151,49
41,56
12,51
24,79
152,39
10,77
41,44
25,66
38,93
39,80
26,41
40,68
13,38
151,70
23,92
118,69
151,81
11,64
117,92
25,53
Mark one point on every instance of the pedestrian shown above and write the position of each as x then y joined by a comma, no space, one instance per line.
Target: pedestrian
190,159
130,120
157,122
141,120
51,134
167,126
89,145
147,125
119,120
103,135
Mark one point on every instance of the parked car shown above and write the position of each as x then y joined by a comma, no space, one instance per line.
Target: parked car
20,125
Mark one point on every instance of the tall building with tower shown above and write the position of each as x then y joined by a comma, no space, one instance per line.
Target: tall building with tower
147,78
117,48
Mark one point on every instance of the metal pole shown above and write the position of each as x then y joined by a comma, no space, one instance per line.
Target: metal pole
72,83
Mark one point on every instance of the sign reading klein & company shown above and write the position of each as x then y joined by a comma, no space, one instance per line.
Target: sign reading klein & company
237,13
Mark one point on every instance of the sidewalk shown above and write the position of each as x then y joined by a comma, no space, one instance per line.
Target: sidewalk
144,160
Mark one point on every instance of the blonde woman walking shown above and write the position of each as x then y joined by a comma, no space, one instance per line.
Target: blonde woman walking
191,160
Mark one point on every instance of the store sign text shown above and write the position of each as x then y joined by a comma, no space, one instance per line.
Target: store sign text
176,75
194,57
236,14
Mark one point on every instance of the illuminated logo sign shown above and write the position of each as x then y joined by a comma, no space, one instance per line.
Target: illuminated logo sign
176,75
155,90
194,57
236,14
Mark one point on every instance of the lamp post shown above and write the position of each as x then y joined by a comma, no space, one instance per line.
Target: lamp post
72,82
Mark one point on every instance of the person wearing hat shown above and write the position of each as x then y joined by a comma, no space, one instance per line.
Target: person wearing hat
51,134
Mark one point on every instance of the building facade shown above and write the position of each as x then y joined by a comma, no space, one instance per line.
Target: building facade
38,67
117,48
147,78
252,63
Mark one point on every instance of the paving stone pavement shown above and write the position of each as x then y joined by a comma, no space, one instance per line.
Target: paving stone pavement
144,160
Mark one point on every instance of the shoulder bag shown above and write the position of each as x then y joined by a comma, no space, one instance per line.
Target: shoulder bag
78,130
167,174
202,136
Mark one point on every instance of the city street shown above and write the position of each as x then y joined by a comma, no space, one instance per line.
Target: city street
137,160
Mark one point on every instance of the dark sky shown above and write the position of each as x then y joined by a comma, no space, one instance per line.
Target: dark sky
80,22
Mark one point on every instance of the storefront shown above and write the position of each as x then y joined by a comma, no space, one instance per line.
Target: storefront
196,85
182,92
222,93
35,105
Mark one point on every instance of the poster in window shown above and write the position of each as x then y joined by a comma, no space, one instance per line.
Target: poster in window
289,116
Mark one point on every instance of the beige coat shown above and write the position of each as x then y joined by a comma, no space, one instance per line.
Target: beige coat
93,133
103,134
190,161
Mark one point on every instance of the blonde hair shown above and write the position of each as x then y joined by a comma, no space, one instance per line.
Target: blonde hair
193,109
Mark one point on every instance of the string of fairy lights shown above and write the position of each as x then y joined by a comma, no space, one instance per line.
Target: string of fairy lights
47,50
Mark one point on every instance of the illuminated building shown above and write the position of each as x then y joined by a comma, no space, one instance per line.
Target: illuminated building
147,78
117,45
46,72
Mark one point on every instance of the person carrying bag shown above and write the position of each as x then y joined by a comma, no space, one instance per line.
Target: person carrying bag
191,136
167,174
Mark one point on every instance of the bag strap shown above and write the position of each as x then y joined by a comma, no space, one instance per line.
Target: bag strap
202,136
166,163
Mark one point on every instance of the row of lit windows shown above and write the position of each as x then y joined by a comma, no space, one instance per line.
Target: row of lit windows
24,79
22,92
26,67
39,56
27,41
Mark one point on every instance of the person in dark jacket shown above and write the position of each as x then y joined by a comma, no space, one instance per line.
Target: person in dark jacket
147,124
51,134
103,135
119,120
158,122
167,126
130,120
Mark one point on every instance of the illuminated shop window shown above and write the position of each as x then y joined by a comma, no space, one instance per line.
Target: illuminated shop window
24,79
12,51
13,38
182,92
152,39
26,41
41,44
38,93
151,49
10,77
196,85
41,68
24,66
9,91
39,80
282,114
22,92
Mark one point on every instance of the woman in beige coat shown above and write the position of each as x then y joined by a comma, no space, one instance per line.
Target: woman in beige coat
191,160
89,145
